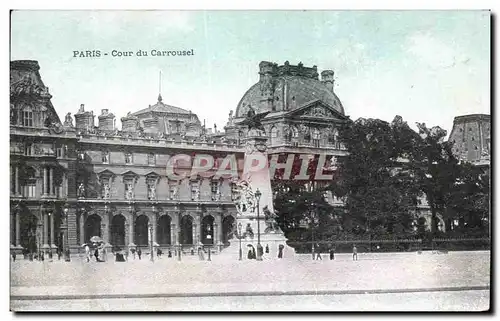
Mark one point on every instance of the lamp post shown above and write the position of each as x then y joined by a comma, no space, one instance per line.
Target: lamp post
313,248
258,194
39,236
151,250
240,237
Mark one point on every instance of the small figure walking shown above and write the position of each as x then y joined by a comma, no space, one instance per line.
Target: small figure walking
96,255
318,253
332,253
87,252
267,248
280,251
139,253
354,253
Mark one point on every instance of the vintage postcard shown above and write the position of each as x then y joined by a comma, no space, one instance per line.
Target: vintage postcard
250,160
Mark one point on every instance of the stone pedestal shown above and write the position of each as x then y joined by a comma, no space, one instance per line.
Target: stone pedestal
251,214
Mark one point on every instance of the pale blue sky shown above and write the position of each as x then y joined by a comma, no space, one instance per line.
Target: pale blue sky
427,66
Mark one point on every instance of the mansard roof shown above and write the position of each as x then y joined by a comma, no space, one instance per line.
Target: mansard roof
161,107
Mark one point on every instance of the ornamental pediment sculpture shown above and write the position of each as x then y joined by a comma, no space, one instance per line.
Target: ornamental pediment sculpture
317,111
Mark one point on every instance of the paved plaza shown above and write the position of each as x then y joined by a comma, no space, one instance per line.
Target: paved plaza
453,277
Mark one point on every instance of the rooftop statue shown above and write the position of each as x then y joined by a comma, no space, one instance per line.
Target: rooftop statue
254,121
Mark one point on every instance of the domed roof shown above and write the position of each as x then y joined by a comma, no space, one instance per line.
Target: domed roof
287,87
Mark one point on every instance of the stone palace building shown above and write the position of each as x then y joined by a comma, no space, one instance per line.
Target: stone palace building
78,178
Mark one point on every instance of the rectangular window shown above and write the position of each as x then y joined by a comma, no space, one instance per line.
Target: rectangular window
316,143
151,159
234,191
195,191
151,190
105,157
214,187
128,158
31,189
173,190
28,149
129,190
106,190
28,118
59,152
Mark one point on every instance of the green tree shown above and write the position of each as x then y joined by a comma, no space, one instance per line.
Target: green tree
378,190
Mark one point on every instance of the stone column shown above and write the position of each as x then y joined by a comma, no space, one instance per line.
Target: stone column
82,228
105,233
173,231
51,219
12,228
44,188
131,230
51,184
18,228
17,192
45,230
154,222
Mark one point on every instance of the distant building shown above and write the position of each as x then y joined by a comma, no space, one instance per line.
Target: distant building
471,137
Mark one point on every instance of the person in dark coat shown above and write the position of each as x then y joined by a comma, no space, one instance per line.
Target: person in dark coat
280,251
267,248
96,255
139,253
332,253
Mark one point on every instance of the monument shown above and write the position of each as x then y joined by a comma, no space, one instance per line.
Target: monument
256,221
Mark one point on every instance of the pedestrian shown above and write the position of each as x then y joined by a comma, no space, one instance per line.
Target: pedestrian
201,254
133,253
96,254
318,254
87,252
332,253
267,248
280,251
14,256
354,253
254,256
139,253
249,255
169,253
59,254
158,252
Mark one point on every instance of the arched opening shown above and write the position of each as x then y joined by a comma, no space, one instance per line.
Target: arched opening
28,225
141,230
228,228
163,230
186,236
118,231
207,230
92,227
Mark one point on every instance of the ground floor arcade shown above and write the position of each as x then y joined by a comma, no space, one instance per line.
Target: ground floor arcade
53,227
